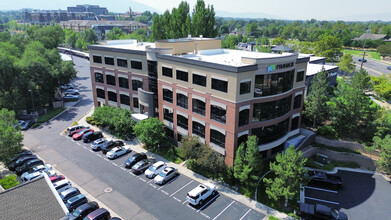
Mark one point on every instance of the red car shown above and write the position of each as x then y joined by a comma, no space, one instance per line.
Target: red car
79,135
77,131
56,178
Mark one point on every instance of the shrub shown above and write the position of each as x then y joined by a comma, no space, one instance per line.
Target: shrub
74,123
327,131
9,181
35,125
50,114
89,119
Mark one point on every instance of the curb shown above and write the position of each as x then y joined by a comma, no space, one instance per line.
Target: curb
336,169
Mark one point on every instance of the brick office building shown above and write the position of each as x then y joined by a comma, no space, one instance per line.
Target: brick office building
197,88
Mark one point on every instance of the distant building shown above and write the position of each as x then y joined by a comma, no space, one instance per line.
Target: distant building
102,27
39,17
89,8
250,46
282,49
369,36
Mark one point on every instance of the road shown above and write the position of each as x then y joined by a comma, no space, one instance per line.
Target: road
374,68
130,196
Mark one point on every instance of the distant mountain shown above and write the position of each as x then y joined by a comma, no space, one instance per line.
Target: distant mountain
246,15
122,6
366,17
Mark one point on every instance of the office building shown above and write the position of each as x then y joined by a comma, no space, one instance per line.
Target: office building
196,88
89,8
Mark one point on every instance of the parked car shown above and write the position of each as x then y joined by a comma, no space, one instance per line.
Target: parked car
100,144
318,211
37,174
155,169
101,214
71,130
134,159
80,134
117,152
24,125
389,67
36,169
83,210
92,136
72,92
69,97
19,162
69,193
198,195
26,166
142,165
67,86
62,185
166,175
324,179
362,60
75,202
56,178
112,145
22,153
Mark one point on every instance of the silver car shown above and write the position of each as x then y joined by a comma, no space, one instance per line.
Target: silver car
155,169
166,175
100,144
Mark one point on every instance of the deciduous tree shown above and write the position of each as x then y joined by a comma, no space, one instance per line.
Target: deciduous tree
150,132
384,145
10,137
346,63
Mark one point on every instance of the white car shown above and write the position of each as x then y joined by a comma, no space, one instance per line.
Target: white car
166,175
100,144
198,195
118,151
155,169
36,169
37,174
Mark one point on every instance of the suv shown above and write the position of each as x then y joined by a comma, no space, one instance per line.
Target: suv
19,162
83,210
112,145
69,193
198,195
62,185
101,214
71,130
100,144
28,165
92,136
75,202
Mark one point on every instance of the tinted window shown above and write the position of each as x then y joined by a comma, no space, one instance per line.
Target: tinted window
300,76
135,102
181,100
98,77
167,71
272,84
136,64
100,93
136,84
112,96
270,110
220,85
123,82
97,59
272,132
181,75
122,62
109,60
245,87
199,80
244,117
167,95
297,103
110,80
125,99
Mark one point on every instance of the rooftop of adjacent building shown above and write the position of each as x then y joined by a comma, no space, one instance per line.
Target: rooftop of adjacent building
313,69
100,22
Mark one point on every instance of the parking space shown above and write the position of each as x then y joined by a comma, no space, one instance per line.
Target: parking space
323,196
216,207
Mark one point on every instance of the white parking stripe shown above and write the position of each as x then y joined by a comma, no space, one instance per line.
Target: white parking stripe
142,179
208,202
150,181
224,210
184,202
169,182
114,164
177,199
205,215
320,189
321,200
245,214
78,143
165,192
190,207
181,188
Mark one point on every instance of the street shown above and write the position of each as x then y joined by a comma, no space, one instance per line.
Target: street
130,196
374,68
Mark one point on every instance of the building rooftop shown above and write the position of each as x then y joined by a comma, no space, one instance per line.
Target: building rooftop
31,200
282,48
371,36
313,69
101,22
128,44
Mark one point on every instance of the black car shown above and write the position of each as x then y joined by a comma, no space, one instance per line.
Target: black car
23,153
362,60
92,136
112,145
19,162
83,210
142,165
26,166
134,159
75,202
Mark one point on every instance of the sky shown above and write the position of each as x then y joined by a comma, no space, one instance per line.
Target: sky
348,10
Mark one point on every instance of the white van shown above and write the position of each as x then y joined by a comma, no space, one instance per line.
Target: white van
70,130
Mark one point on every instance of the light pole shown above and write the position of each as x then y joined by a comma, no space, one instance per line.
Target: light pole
32,99
363,56
256,189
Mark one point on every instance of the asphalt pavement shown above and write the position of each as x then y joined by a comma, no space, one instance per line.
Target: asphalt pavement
374,68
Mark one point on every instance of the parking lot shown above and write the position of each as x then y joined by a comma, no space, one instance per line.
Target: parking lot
170,199
363,196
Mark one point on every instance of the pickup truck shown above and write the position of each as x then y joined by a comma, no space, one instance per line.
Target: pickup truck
323,178
317,211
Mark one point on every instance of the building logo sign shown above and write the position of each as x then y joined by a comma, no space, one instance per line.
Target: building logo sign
271,68
332,74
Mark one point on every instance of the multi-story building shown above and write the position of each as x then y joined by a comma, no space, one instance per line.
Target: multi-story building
89,8
196,88
42,17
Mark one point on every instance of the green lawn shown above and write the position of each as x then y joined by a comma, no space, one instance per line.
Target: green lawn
50,114
371,54
333,163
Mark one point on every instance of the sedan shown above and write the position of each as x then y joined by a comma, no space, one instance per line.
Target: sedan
118,151
155,169
80,134
56,178
362,60
37,174
71,97
92,136
112,145
134,159
67,86
19,162
100,144
26,124
73,92
23,153
142,165
166,175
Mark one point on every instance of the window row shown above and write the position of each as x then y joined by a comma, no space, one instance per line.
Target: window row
122,81
219,85
134,64
112,96
272,84
217,113
216,137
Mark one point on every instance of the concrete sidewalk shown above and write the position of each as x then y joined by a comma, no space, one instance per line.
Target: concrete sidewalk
136,146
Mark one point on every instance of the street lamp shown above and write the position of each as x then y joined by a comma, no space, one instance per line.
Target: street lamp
32,99
256,189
